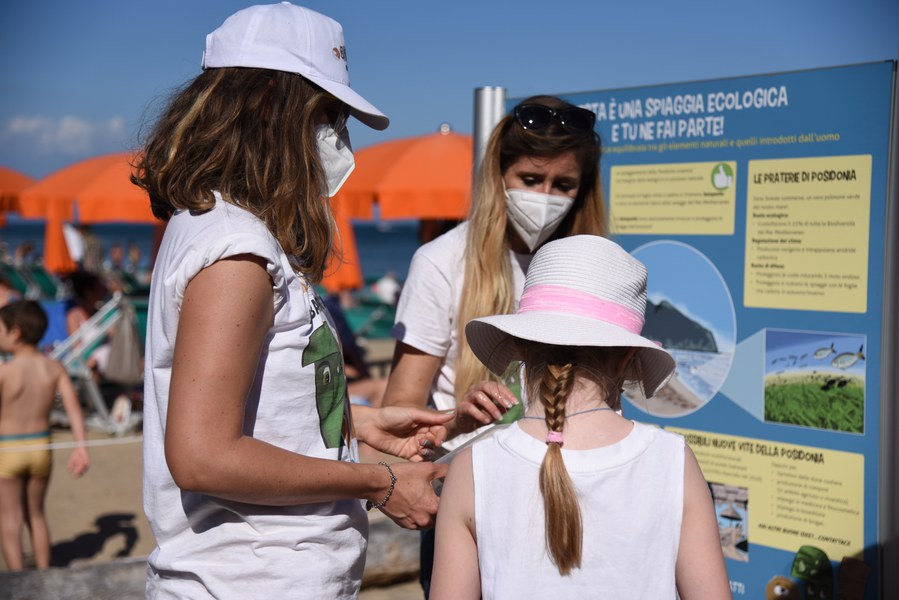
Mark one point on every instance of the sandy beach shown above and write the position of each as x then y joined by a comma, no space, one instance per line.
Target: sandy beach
98,519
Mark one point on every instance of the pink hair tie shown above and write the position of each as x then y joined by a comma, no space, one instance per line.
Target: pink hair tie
554,437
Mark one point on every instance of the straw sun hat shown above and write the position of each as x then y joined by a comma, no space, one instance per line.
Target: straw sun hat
582,290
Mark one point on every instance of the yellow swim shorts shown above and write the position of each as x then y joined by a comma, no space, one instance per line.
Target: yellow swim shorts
18,462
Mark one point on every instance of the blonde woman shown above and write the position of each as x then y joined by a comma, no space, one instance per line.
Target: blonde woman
573,500
539,181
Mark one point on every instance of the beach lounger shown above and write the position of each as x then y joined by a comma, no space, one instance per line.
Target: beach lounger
74,352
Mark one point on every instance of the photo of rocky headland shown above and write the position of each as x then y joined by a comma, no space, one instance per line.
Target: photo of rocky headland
689,312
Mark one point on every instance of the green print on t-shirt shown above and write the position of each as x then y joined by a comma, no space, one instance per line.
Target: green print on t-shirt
330,383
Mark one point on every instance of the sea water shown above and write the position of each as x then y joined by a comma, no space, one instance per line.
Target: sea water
385,246
382,245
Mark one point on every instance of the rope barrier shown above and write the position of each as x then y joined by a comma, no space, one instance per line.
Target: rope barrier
134,439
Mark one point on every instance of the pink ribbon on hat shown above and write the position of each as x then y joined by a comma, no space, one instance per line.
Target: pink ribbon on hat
554,437
563,299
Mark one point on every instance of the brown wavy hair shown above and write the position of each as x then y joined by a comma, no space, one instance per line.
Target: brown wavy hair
487,287
550,374
248,134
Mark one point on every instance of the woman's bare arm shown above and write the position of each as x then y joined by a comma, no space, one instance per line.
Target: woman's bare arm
411,376
219,340
410,381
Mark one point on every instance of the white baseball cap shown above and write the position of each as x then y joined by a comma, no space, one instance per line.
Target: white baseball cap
294,39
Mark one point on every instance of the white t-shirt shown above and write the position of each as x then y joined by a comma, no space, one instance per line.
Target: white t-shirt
210,547
427,315
631,496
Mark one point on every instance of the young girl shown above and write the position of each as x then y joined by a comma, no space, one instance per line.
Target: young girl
574,501
250,482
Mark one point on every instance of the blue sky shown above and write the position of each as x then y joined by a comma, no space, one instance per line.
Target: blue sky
79,78
703,296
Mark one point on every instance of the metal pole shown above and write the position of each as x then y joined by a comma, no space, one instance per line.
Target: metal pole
489,108
889,413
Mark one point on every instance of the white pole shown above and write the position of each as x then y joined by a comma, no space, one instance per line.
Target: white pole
489,108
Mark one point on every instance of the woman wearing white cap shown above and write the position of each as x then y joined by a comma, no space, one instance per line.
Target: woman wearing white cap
539,180
250,482
573,500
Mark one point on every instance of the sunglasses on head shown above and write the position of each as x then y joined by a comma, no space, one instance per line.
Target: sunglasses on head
535,117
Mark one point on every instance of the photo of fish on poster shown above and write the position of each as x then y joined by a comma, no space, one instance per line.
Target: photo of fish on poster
815,379
690,313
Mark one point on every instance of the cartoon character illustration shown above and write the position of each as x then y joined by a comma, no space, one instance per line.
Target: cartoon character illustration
812,566
330,383
782,588
853,579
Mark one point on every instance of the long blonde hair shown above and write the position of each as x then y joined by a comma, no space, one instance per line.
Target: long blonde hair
249,134
488,287
550,373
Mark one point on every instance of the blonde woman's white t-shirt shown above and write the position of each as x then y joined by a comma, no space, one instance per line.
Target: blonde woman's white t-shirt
427,315
210,547
631,496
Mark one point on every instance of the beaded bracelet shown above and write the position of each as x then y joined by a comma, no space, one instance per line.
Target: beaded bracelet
369,504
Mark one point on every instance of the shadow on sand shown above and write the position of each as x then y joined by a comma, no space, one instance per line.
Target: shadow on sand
88,545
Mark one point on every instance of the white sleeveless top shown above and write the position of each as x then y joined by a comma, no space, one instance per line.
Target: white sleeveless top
211,547
631,496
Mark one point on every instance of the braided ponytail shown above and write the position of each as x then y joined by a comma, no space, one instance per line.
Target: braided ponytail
564,533
550,373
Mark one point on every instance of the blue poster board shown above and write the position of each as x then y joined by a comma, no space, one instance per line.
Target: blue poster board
760,207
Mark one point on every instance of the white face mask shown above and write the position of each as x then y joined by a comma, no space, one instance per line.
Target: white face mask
336,155
535,215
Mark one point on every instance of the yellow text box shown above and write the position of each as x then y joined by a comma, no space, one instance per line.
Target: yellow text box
807,233
673,199
797,495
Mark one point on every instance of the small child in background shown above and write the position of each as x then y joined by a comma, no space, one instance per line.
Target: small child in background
574,500
29,383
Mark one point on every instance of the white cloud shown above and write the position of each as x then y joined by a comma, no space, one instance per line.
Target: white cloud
67,135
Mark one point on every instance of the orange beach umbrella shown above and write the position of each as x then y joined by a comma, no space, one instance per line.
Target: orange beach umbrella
100,187
343,272
12,182
101,190
420,177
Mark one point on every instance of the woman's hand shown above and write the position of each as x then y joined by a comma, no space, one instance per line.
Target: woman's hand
400,431
485,402
413,504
